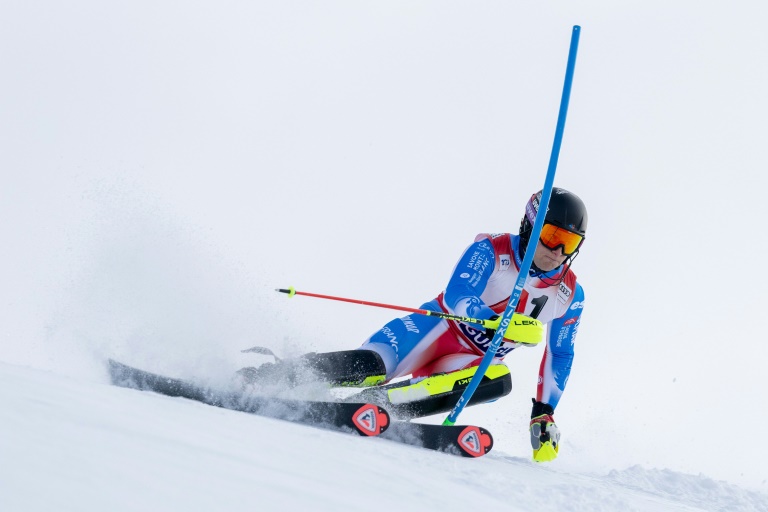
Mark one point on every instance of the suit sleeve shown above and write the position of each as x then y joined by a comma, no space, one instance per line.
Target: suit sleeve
556,363
469,279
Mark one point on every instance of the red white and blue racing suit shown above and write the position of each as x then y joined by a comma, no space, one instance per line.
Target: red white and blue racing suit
480,287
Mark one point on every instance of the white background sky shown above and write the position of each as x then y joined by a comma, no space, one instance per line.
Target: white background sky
166,166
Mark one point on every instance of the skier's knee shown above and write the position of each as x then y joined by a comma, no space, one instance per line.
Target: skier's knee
385,354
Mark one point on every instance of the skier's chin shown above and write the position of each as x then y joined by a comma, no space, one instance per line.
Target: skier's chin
547,264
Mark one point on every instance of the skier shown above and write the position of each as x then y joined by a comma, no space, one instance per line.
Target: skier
438,354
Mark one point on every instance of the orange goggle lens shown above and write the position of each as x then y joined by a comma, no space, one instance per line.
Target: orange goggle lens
554,237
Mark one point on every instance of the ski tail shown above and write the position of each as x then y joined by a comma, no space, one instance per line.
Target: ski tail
465,440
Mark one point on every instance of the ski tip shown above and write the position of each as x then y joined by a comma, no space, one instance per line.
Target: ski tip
370,420
475,441
259,350
116,367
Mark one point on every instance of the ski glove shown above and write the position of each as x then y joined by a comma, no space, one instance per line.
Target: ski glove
545,436
521,329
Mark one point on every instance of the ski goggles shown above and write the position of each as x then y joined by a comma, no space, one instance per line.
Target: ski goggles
553,237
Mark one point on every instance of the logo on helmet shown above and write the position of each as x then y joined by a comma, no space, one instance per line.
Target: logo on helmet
531,208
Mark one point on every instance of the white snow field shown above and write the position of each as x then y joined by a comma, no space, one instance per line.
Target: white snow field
73,445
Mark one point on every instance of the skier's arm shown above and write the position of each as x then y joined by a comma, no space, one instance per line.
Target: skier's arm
556,362
469,279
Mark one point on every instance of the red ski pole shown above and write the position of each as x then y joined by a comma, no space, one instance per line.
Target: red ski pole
485,323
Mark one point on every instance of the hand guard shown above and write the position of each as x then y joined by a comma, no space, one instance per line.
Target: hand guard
545,436
521,329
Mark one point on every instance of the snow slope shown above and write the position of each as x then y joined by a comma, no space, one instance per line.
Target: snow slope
70,444
167,165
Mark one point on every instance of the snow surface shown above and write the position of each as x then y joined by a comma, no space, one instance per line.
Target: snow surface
74,445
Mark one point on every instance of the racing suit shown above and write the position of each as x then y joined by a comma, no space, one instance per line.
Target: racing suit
480,287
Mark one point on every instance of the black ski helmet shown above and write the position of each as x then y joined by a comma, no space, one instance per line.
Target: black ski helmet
566,210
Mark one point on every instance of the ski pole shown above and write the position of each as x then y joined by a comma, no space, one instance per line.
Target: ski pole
532,242
485,323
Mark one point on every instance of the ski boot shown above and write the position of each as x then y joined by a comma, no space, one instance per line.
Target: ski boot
438,393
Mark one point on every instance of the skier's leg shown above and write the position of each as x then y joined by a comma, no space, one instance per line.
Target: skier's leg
346,367
395,350
450,363
439,392
401,347
403,342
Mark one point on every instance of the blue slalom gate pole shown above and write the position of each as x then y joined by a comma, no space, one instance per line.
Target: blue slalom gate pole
534,240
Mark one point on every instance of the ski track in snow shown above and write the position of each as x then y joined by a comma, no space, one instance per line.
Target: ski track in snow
69,444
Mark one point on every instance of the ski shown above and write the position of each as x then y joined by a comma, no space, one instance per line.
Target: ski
403,400
364,418
463,440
